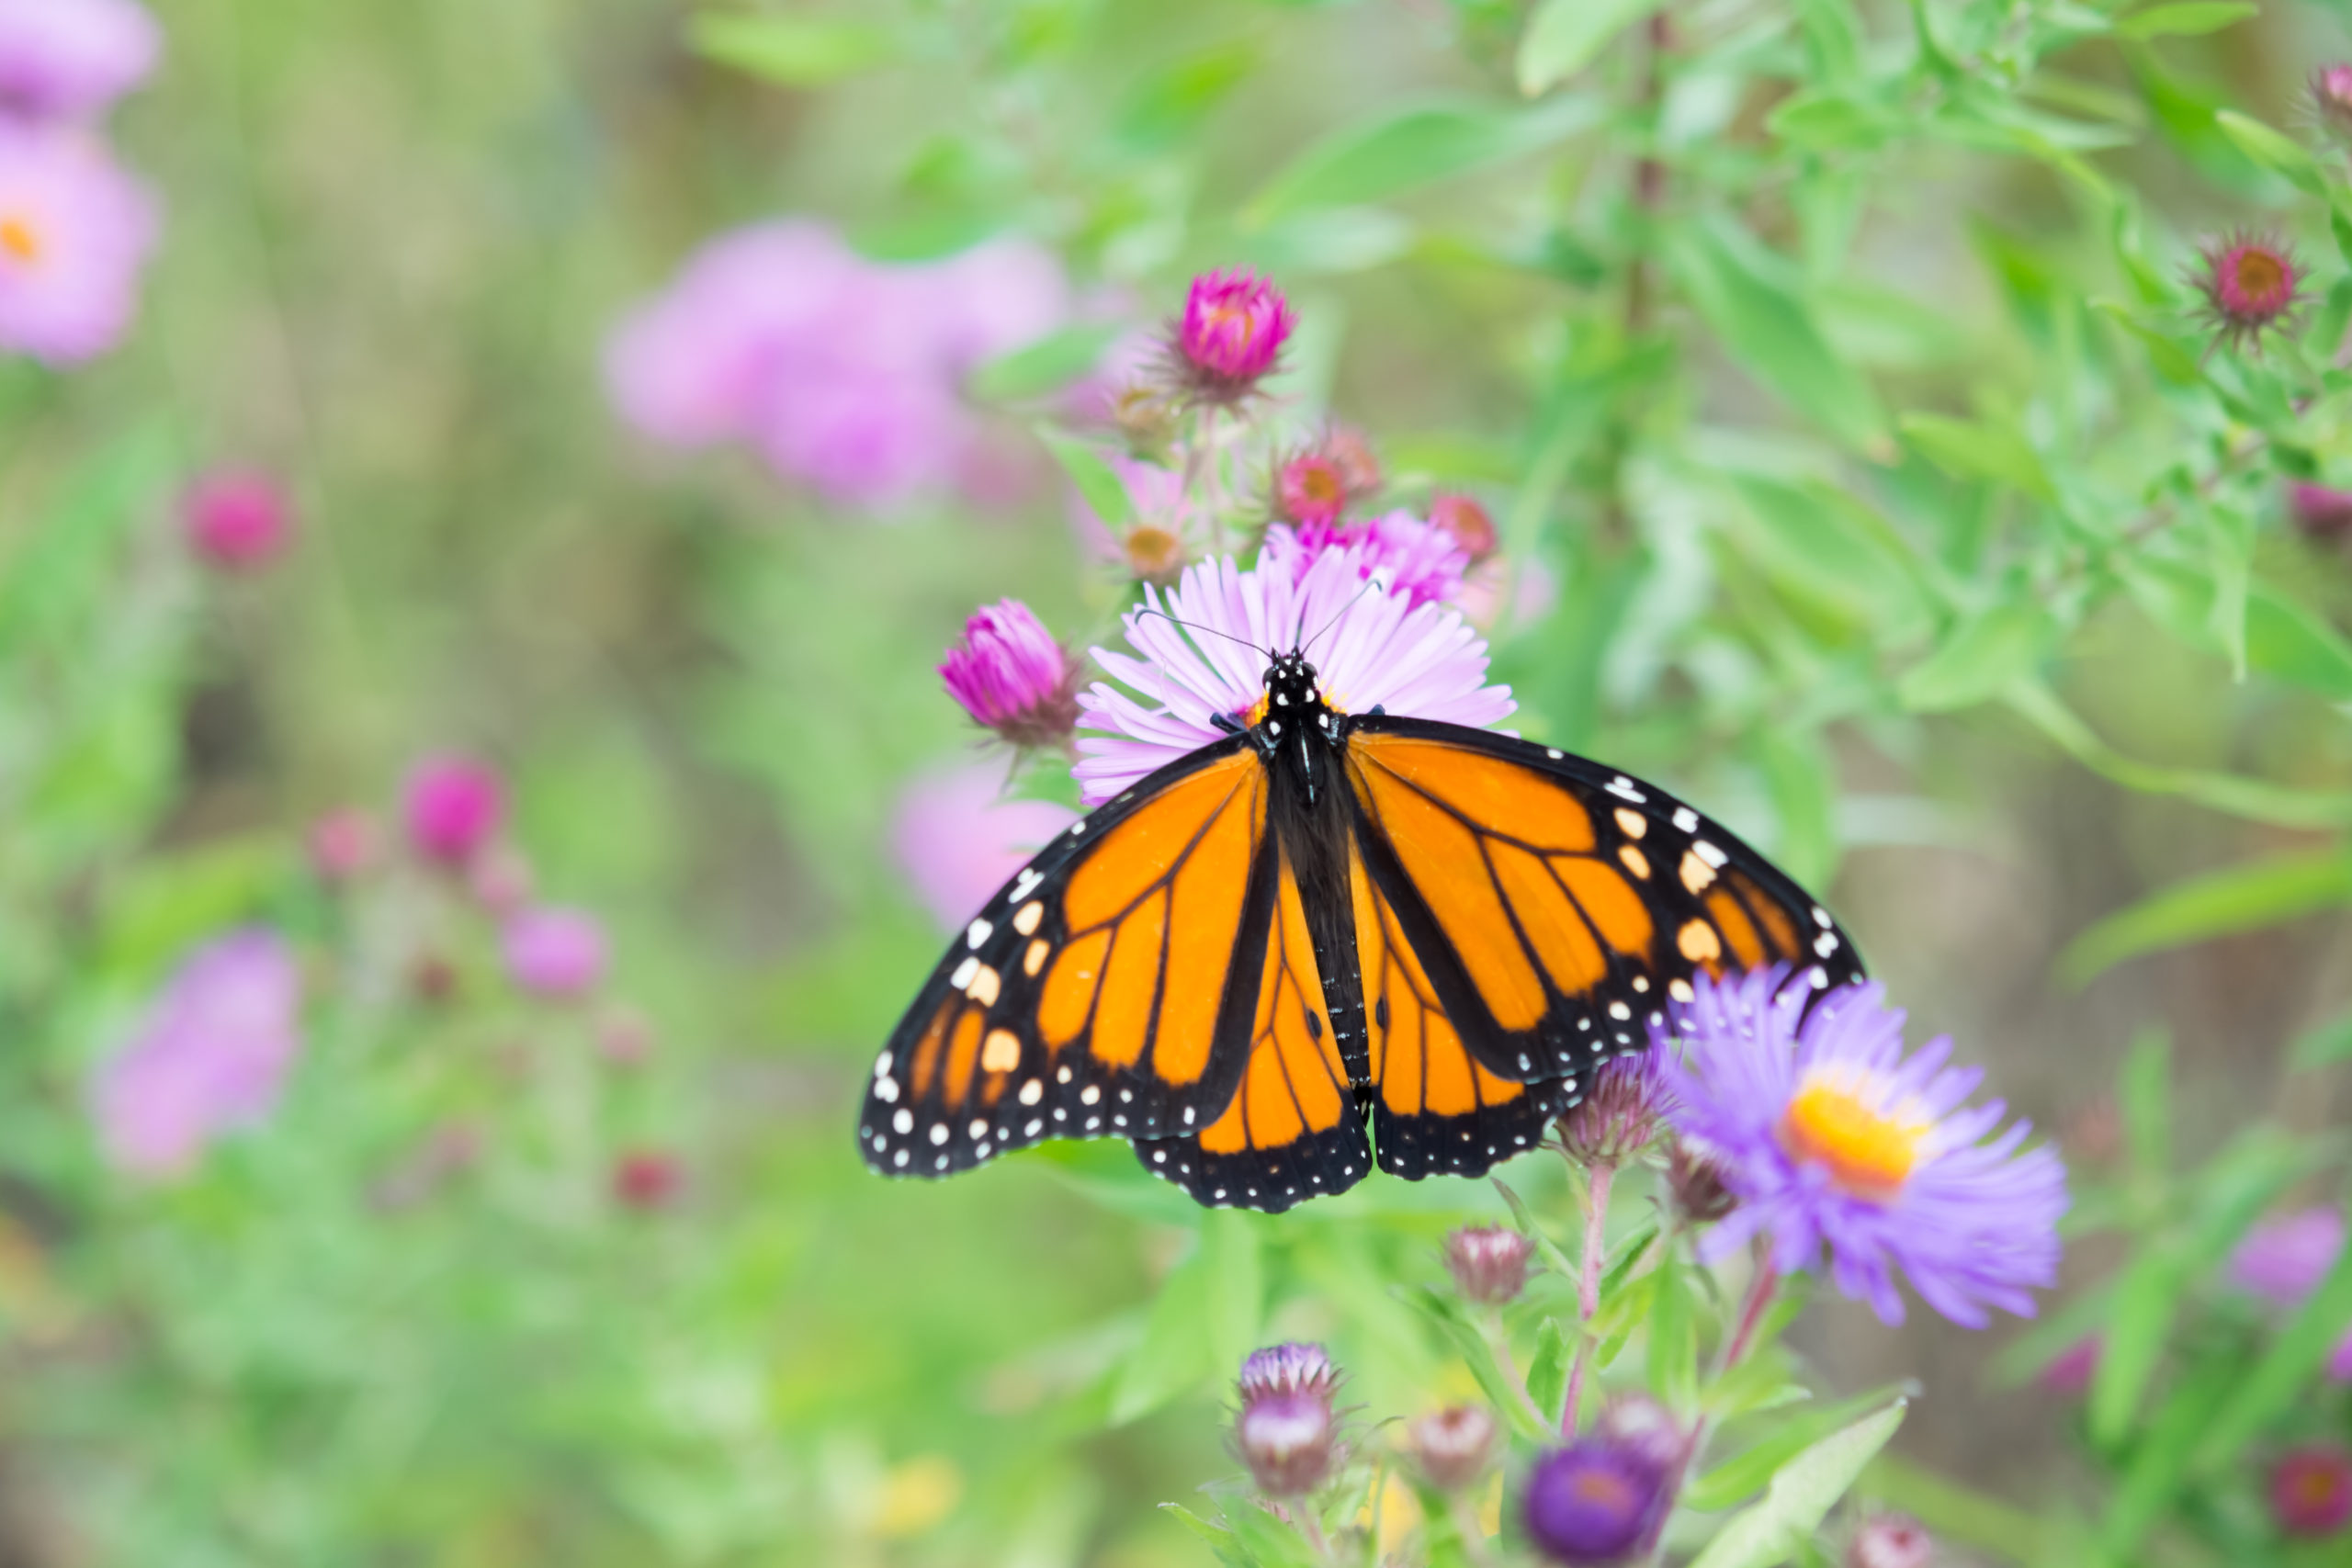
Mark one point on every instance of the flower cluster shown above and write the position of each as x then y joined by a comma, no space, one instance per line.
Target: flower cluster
845,374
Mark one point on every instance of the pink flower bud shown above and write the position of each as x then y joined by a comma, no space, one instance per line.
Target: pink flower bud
1012,677
1234,328
2251,284
1287,1440
647,1179
1488,1262
557,954
1465,522
1451,1446
342,845
454,808
1891,1541
237,520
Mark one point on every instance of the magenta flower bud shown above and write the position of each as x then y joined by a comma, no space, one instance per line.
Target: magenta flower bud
454,808
1234,328
70,59
1465,522
556,954
1288,1441
2310,1489
2321,512
1488,1262
1295,1368
1594,1503
1310,488
1891,1541
647,1179
2332,97
1451,1446
2068,1373
2251,284
237,520
1012,677
1618,1117
342,845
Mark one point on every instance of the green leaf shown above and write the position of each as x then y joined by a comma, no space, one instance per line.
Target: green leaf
1098,483
1220,1540
2187,19
796,50
2284,639
1981,658
1673,1326
2279,154
1416,146
1046,366
1171,103
1951,1511
2283,1373
1563,34
2144,1094
59,575
1800,1495
1547,1370
1754,301
1267,1541
1829,121
2152,1478
1200,1323
2222,903
1507,1396
2146,1297
1970,450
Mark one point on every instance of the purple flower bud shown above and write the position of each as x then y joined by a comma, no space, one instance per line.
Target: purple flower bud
1488,1262
1697,1183
2251,284
1593,1503
1451,1446
2310,1489
1234,328
1891,1541
1619,1114
236,521
557,954
454,807
1012,677
2069,1372
1295,1368
2321,512
1286,1439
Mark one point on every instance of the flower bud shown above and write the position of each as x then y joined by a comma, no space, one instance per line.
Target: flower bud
342,845
1309,489
1467,524
1294,1367
1451,1446
1891,1541
2068,1373
236,521
1287,1440
1640,1425
1488,1262
646,1179
454,808
1696,1182
1594,1503
1618,1117
1012,677
2321,511
2332,97
557,954
2251,284
1234,328
2311,1491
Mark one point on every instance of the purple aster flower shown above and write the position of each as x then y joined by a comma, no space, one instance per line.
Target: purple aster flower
1012,677
1409,556
1232,335
1371,649
959,838
1594,1503
75,231
555,952
1488,1262
70,59
1830,1138
210,1056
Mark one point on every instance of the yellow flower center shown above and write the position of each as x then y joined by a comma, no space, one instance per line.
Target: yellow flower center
19,239
1154,554
1866,1151
2260,274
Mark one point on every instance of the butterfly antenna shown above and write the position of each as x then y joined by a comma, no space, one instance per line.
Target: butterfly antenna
1196,626
1369,584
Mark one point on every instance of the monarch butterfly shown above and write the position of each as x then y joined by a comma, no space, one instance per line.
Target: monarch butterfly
1321,924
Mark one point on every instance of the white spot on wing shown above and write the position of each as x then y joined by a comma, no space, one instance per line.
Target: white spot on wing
976,934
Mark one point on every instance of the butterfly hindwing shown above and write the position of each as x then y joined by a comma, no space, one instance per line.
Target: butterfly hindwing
1104,991
1542,911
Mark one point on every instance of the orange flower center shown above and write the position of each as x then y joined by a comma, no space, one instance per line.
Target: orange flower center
19,239
1154,554
1866,1151
2261,274
1232,318
1321,484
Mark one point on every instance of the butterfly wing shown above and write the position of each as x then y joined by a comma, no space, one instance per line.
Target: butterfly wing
1291,1130
1522,915
1110,988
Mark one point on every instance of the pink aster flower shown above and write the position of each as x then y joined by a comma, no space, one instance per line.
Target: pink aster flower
958,837
555,952
237,520
2251,284
1371,649
1159,539
1409,556
2282,1262
210,1057
454,808
75,231
1232,333
1310,490
1831,1139
1467,524
2331,88
70,59
1012,677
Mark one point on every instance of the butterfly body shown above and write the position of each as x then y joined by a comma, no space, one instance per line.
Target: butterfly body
1323,925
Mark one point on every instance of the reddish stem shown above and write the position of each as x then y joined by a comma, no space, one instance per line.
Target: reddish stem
1600,1177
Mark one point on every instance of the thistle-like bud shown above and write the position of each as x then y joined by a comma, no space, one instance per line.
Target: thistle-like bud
1451,1446
2332,100
2251,284
1232,335
1295,1368
1618,1117
1891,1541
1697,1183
1488,1262
1144,420
1287,1431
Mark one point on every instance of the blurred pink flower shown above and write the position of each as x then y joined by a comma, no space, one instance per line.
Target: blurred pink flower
555,952
1009,675
212,1055
847,374
958,838
75,231
70,59
2282,1260
237,520
341,844
454,808
647,1179
1462,519
2069,1372
1407,555
500,878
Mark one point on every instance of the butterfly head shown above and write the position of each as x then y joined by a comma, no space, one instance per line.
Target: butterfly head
1292,693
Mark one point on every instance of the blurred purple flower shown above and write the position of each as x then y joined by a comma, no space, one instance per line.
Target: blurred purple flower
454,808
847,374
1009,675
555,952
237,520
2283,1261
1594,1502
2321,512
1830,1139
1369,649
75,231
1405,554
70,59
212,1055
959,839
